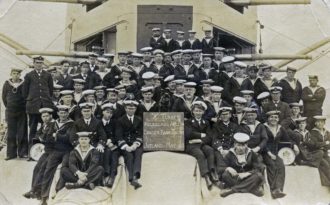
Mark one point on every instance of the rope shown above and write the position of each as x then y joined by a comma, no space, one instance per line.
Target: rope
68,26
8,51
318,22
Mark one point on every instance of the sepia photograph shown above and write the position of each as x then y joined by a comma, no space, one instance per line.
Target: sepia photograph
164,102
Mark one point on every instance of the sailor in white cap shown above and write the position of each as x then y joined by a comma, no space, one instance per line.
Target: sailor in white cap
292,88
170,44
210,71
113,98
89,175
147,55
248,95
222,135
186,59
277,104
196,59
78,86
99,94
179,88
313,97
197,144
215,103
92,57
112,78
45,135
208,42
170,84
252,73
147,104
92,78
192,42
67,99
263,99
320,141
266,81
56,93
233,85
205,89
219,53
239,105
226,70
257,131
178,69
129,132
157,41
180,38
183,103
242,171
275,166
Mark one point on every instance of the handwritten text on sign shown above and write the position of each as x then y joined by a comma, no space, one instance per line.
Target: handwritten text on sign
163,131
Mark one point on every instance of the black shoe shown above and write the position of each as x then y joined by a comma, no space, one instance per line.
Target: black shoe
10,158
277,194
136,184
72,185
214,176
259,192
30,195
44,201
225,193
29,159
90,186
220,184
109,183
208,182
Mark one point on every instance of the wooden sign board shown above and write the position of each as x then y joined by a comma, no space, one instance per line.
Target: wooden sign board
163,131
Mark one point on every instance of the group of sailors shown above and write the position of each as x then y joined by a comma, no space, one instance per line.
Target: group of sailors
237,117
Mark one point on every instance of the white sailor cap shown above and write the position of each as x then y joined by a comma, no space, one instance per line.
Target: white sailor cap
93,55
86,105
79,81
57,87
63,108
187,51
169,78
99,87
148,75
179,81
102,59
264,66
191,31
312,76
250,110
190,84
146,49
273,112
291,68
84,134
46,110
199,103
295,104
224,109
275,89
118,87
207,55
130,103
320,117
216,89
109,55
176,52
147,88
158,51
155,29
179,32
208,81
66,92
263,95
112,90
241,137
240,100
219,49
247,92
240,64
123,53
228,59
167,30
88,92
108,106
301,119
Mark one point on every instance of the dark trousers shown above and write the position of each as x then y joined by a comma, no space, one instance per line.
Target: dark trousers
38,172
54,159
110,162
34,119
17,139
94,176
247,185
133,162
324,170
204,155
220,163
275,172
